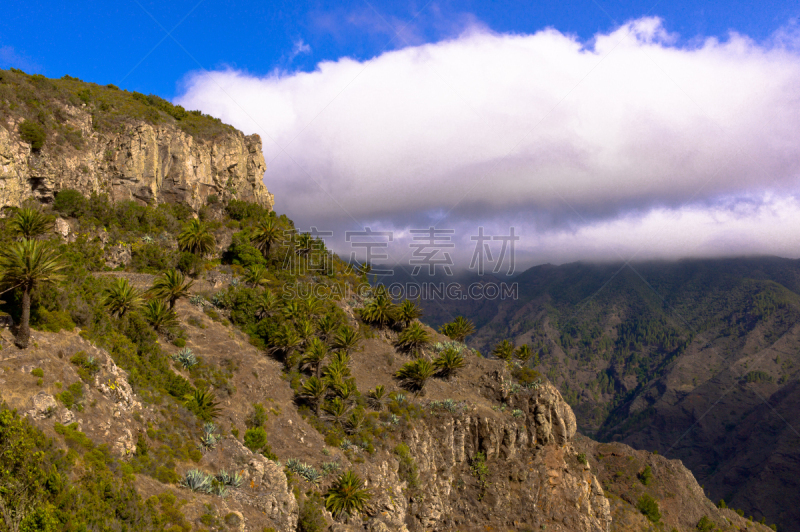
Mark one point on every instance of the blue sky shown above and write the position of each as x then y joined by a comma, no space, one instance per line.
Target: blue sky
118,42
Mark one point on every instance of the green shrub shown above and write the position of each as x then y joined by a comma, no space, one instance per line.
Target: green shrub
255,438
70,202
37,372
33,133
258,417
649,508
311,518
51,321
526,375
72,396
582,459
243,210
705,524
646,476
408,470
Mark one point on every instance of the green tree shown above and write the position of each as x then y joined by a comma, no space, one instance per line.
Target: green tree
458,329
265,234
414,375
196,237
26,265
413,339
159,315
314,389
326,325
122,298
347,495
649,508
171,286
379,311
523,353
256,275
315,355
266,305
407,312
504,350
346,339
448,362
33,133
30,223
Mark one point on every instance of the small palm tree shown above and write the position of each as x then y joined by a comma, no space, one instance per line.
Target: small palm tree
313,306
346,339
27,264
347,495
504,350
458,329
314,390
414,375
316,352
256,275
30,222
336,372
407,312
326,325
448,362
305,329
337,409
196,238
265,234
413,339
292,310
355,421
160,316
171,286
287,341
203,403
379,311
523,353
121,297
376,397
346,390
266,305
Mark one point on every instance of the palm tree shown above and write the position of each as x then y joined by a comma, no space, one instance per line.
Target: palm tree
523,353
337,371
413,338
255,275
414,375
267,304
326,325
203,403
266,233
171,286
458,329
30,223
448,362
159,315
376,397
346,339
313,306
407,312
288,340
27,264
337,409
316,352
292,310
504,350
347,495
380,310
305,329
315,389
121,297
196,238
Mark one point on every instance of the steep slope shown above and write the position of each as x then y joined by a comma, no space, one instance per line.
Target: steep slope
679,357
60,134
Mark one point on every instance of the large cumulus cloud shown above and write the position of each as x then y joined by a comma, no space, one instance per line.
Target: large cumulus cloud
628,144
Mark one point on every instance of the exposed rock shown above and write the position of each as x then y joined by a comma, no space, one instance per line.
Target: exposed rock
43,406
117,255
142,162
61,227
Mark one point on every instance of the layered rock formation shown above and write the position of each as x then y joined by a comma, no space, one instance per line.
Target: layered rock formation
141,161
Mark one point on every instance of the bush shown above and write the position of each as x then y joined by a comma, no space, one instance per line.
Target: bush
311,518
37,372
243,210
705,524
51,321
408,467
255,438
649,508
646,476
258,417
70,202
32,133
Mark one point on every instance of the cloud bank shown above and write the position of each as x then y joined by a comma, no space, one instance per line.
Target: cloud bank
628,144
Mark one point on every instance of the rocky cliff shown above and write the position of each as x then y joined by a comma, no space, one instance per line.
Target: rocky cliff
98,143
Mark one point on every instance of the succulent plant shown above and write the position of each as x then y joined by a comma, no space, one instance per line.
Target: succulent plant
196,480
185,358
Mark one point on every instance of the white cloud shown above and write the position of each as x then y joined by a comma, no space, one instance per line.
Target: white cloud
300,47
586,146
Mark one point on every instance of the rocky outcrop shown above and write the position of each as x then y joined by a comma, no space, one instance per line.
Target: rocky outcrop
141,162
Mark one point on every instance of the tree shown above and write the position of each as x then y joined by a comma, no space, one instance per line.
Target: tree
265,234
347,495
407,312
649,507
196,238
266,305
159,315
346,339
287,340
414,375
121,297
504,350
316,352
458,329
413,339
256,275
326,325
379,310
171,286
337,409
448,362
29,223
315,389
523,353
26,265
292,310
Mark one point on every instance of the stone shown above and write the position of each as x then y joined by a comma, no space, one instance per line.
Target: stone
43,405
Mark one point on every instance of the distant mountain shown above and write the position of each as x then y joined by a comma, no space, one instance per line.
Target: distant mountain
695,359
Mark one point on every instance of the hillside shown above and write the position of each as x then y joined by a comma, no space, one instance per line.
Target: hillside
65,133
695,359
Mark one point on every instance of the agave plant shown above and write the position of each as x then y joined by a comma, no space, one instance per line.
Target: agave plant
229,479
197,300
196,480
210,438
347,495
330,467
185,358
147,239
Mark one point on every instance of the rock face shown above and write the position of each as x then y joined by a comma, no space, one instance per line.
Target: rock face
534,478
142,162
